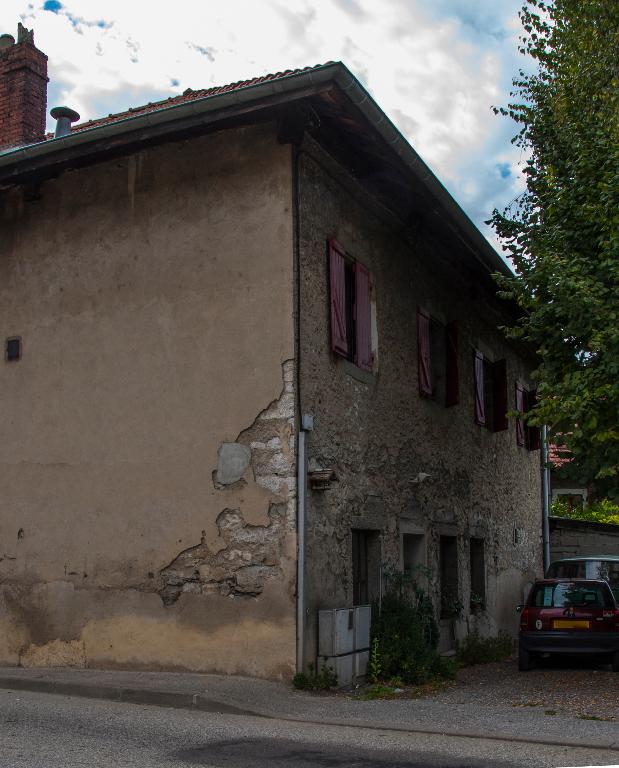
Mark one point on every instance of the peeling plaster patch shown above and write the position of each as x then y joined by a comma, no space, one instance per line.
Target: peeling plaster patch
252,555
270,441
263,454
58,653
233,462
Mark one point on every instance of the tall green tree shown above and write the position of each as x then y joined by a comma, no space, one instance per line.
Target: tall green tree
562,233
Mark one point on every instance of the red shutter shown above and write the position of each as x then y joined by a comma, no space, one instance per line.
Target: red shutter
520,409
424,363
499,395
363,317
533,433
452,385
480,409
337,285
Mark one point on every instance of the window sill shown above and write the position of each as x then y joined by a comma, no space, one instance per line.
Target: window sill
367,377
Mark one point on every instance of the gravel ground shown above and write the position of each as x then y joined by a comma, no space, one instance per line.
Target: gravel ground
581,691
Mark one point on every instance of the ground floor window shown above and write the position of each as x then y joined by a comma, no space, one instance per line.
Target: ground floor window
413,554
365,566
448,562
478,574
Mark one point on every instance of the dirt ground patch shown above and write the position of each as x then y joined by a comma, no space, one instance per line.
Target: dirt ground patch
582,689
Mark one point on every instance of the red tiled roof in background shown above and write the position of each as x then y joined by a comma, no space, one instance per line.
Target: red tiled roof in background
188,95
556,455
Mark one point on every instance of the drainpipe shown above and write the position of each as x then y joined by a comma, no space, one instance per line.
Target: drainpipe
545,499
301,507
305,423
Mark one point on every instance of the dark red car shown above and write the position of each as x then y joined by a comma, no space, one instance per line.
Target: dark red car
570,616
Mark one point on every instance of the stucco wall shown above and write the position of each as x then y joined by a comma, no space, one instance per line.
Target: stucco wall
153,295
378,434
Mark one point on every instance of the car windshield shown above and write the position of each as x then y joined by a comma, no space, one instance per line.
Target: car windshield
571,595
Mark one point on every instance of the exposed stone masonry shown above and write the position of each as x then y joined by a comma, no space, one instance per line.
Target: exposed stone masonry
262,454
251,556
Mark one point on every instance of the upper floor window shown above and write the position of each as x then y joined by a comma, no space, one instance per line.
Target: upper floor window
351,308
437,359
526,436
490,384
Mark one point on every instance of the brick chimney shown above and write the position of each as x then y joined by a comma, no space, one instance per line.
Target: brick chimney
23,90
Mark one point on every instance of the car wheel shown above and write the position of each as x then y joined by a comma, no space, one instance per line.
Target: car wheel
615,661
524,659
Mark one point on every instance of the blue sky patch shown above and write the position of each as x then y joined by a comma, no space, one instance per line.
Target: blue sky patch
52,5
504,170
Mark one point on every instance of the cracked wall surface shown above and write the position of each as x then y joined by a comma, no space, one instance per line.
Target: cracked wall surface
247,555
251,556
153,295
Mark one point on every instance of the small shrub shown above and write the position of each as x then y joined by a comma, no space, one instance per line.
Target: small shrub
374,665
451,605
313,680
481,650
405,634
600,511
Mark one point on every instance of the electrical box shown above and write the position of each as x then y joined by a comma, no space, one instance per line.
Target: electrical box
360,663
362,621
336,631
343,666
344,642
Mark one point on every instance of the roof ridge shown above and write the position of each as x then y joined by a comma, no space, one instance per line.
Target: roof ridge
189,94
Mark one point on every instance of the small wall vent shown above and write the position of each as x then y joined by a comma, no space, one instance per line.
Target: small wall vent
13,349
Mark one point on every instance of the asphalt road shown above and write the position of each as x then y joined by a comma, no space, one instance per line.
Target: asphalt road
40,730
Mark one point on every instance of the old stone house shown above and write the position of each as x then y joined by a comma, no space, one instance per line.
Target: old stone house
251,359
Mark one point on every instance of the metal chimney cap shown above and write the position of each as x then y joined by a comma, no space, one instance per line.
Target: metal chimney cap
6,41
71,114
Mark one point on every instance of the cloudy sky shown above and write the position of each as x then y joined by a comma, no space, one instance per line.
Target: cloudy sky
435,66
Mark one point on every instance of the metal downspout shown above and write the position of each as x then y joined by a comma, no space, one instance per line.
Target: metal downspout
545,499
301,438
301,477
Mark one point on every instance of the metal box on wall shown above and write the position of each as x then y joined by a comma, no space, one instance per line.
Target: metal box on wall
343,666
360,663
336,631
362,621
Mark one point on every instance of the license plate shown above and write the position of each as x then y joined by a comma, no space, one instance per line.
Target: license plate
570,624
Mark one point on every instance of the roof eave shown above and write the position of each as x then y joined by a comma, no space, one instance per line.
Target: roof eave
211,108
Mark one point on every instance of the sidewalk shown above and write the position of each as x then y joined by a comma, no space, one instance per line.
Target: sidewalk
452,713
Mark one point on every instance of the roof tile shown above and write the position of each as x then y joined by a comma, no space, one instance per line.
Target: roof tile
186,96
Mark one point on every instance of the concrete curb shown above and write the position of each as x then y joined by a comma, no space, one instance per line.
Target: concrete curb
175,699
199,702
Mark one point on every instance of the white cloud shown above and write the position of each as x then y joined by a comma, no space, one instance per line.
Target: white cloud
435,66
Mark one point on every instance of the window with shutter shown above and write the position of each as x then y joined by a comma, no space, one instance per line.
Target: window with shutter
352,309
533,433
452,386
520,434
499,399
363,317
424,363
337,287
480,408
